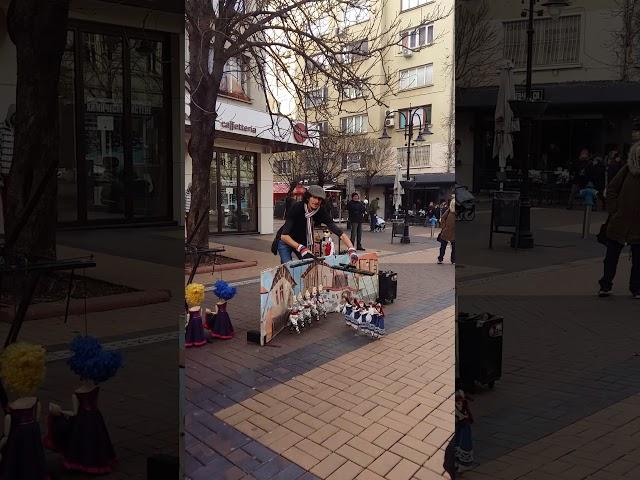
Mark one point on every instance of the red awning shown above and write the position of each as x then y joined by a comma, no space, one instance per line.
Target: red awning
280,188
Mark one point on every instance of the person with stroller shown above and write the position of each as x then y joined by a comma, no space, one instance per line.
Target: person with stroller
448,232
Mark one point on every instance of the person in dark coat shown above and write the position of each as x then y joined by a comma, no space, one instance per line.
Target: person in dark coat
623,224
295,237
448,233
357,214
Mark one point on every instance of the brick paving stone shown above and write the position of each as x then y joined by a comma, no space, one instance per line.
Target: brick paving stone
346,471
361,458
427,474
384,463
324,433
314,449
300,457
409,453
365,446
372,432
388,438
404,470
329,465
336,440
369,475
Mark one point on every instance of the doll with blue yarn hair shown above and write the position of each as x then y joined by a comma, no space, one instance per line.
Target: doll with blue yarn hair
80,434
219,322
22,368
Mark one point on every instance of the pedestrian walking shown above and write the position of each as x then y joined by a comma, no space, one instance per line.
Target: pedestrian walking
357,211
578,172
374,206
623,225
589,197
296,235
448,233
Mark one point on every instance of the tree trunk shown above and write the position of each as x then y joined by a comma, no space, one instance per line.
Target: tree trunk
38,29
201,152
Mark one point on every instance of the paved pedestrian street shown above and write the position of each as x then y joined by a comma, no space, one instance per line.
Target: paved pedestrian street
329,403
567,406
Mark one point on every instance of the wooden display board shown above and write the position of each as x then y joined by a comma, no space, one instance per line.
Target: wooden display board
278,286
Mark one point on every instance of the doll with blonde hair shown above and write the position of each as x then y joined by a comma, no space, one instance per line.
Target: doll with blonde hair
22,368
194,332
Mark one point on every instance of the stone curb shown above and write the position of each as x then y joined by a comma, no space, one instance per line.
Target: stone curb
93,305
224,267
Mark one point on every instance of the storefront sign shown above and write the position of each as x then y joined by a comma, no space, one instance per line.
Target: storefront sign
536,94
300,133
112,107
238,126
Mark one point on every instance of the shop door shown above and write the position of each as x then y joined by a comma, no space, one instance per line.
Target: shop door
116,155
233,193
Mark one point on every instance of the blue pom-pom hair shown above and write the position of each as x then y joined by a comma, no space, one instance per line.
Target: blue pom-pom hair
91,362
223,290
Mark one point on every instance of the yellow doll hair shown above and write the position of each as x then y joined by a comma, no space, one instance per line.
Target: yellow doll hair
194,294
22,367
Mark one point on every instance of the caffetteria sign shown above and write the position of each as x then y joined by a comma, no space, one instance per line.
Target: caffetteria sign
233,126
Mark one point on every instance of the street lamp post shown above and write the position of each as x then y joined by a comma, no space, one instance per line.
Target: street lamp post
527,110
408,136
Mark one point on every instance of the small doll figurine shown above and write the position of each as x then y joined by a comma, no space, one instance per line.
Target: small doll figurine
371,324
81,435
380,331
322,303
220,322
347,309
194,333
306,310
328,247
22,368
463,440
294,316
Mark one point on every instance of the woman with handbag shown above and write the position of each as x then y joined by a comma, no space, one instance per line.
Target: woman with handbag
623,225
448,232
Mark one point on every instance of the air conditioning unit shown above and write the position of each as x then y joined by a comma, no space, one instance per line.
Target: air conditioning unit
340,31
389,122
407,52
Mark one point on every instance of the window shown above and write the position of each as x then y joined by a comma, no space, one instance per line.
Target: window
420,156
354,124
351,92
352,161
283,166
316,62
424,113
315,98
321,128
554,44
355,51
419,37
235,78
409,4
357,13
416,77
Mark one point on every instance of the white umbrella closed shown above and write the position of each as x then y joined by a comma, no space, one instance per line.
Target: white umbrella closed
505,124
398,191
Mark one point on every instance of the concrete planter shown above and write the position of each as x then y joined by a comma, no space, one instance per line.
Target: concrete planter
96,304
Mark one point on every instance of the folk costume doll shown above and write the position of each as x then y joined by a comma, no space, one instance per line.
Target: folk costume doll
194,335
462,439
294,316
22,368
327,245
380,330
219,322
80,434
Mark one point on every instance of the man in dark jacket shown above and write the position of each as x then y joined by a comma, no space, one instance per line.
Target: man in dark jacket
357,212
296,235
374,206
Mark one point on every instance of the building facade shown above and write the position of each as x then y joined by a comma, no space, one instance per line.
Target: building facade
418,73
577,68
120,111
247,135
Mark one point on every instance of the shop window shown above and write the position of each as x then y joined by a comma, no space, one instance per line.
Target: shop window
235,79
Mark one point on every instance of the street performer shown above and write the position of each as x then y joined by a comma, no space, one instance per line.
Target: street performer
296,235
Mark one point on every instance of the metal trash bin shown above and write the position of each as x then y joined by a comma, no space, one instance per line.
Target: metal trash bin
479,345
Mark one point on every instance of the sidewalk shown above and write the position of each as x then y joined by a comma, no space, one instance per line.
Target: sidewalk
140,403
296,408
567,405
